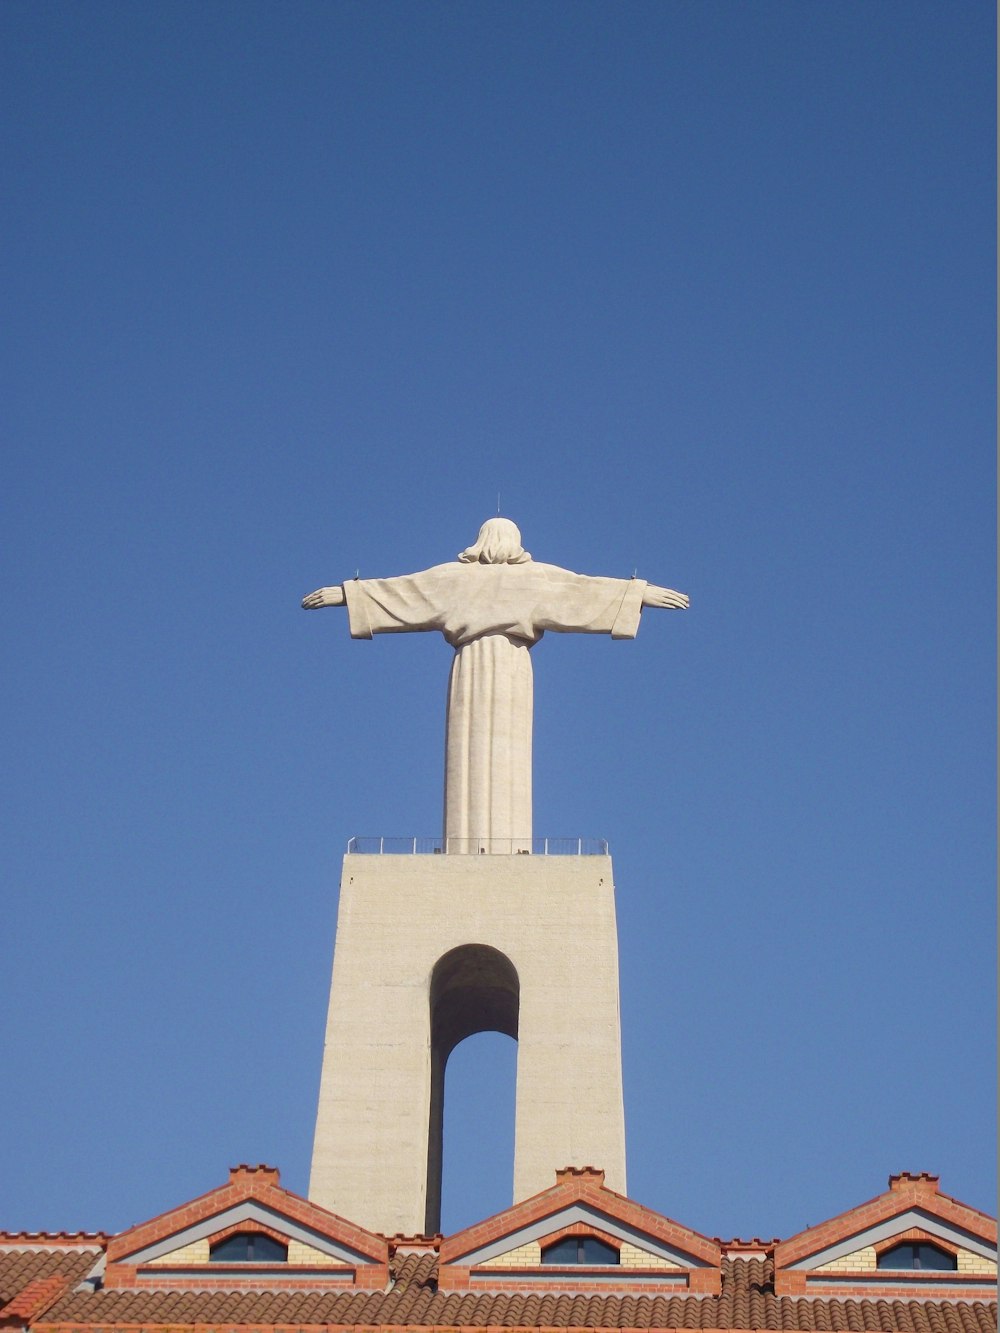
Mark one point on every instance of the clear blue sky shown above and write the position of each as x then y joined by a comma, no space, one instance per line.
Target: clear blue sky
704,289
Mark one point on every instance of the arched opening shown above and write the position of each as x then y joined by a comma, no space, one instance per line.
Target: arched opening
248,1247
474,988
580,1250
917,1254
477,1159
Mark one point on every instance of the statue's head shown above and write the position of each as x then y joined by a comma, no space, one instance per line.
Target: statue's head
498,543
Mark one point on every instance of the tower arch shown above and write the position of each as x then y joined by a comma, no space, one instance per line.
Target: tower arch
473,988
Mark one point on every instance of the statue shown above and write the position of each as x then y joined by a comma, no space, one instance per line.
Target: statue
492,605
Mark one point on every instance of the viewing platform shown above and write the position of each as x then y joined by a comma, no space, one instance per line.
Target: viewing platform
477,846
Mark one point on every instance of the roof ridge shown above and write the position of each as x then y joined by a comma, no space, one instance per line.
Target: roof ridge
8,1237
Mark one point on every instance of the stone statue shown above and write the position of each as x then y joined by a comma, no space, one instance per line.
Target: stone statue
492,605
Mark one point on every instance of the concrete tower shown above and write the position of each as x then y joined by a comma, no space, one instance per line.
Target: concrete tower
431,949
491,930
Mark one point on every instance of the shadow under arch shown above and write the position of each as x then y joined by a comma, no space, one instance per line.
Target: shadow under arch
474,988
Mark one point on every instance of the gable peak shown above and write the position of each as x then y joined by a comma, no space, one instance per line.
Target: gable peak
260,1174
919,1180
571,1174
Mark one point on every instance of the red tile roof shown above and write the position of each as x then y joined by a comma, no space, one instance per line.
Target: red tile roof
413,1288
22,1264
748,1302
35,1299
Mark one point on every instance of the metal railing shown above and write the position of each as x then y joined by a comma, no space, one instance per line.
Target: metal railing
477,846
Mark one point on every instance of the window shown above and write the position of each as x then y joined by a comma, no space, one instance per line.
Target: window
580,1250
917,1254
249,1247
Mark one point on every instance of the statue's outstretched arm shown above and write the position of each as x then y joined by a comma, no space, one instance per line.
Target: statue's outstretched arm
664,597
324,597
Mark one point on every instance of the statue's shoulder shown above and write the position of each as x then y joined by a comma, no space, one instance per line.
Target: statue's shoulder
477,567
550,571
435,573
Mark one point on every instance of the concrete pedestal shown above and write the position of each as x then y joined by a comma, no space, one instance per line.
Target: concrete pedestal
430,949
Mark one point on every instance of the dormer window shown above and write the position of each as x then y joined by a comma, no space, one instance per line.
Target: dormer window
918,1254
248,1247
580,1250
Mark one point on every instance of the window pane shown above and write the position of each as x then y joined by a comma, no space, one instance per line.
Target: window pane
580,1250
232,1250
267,1250
918,1255
248,1247
929,1256
564,1251
597,1252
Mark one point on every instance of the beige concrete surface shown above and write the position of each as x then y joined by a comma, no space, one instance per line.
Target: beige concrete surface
553,918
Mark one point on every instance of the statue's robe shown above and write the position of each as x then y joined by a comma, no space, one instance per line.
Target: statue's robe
492,615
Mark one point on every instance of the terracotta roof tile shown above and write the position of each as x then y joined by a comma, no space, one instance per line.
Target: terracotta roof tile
21,1266
747,1303
59,1239
32,1302
420,1269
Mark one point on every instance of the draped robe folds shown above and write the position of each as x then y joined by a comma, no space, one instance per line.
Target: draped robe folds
492,615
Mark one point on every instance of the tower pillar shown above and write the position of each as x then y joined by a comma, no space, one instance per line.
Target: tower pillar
430,949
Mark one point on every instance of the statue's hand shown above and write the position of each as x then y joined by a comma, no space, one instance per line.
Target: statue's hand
324,597
665,597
